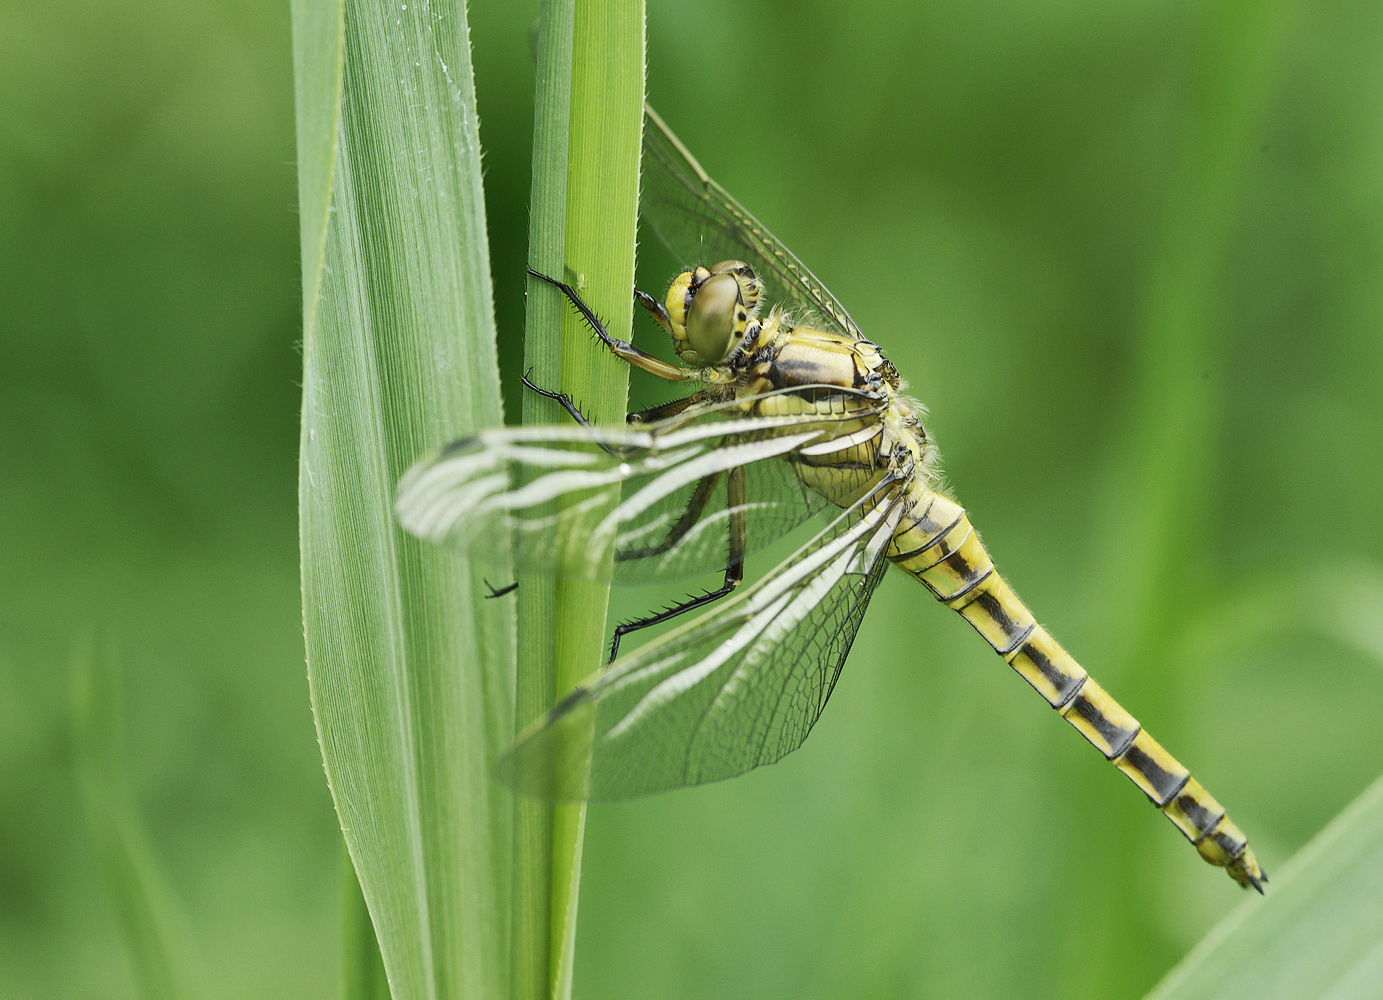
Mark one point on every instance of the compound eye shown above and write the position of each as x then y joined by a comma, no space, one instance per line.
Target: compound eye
750,286
711,320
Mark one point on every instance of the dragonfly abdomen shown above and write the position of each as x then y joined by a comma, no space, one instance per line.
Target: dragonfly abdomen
936,543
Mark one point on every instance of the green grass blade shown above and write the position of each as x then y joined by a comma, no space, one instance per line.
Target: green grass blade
536,682
1319,934
410,670
144,910
585,203
602,213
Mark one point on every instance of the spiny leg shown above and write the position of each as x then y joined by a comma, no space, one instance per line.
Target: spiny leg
622,349
562,399
655,309
653,414
696,506
665,410
575,413
734,570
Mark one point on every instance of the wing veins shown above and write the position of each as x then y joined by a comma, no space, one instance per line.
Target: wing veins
693,193
759,612
864,595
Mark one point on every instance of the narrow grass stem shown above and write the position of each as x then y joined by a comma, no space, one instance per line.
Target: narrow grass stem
585,205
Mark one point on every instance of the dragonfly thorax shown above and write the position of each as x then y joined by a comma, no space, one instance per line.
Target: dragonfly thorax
711,309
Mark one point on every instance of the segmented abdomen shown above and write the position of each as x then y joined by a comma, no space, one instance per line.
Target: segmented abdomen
936,543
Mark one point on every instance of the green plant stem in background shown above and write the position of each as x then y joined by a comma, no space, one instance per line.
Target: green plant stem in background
362,967
410,669
587,131
1172,420
144,911
1158,482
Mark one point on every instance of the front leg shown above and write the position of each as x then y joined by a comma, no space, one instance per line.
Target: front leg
621,349
655,309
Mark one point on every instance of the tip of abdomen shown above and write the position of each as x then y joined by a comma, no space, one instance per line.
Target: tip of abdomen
1227,848
1247,872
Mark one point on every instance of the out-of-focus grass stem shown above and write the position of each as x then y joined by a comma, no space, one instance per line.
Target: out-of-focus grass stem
1158,491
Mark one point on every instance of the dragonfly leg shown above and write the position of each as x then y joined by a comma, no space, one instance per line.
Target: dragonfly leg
696,506
734,571
499,591
655,309
651,415
665,410
622,349
572,409
562,398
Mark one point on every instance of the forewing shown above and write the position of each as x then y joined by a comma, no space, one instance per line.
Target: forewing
740,686
566,499
692,214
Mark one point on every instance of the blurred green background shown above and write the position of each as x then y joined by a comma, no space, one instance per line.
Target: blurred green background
1165,415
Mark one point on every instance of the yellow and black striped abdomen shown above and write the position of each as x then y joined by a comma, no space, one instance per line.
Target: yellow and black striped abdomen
936,543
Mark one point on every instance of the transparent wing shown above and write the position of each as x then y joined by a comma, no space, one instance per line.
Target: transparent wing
738,687
564,499
693,215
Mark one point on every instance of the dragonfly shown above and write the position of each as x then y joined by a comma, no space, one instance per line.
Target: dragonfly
795,417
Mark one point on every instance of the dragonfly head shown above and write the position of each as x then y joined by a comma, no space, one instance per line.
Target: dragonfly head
710,309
